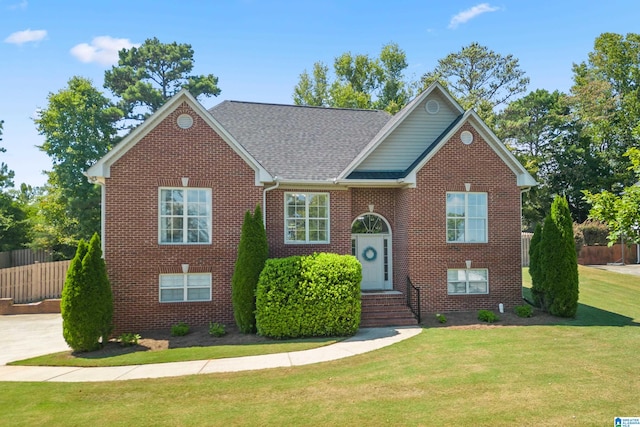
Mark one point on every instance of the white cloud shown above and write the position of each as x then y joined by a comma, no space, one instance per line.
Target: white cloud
103,50
26,36
469,14
22,5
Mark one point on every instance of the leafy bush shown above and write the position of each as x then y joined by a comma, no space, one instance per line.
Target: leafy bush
253,251
179,330
128,339
441,318
87,303
594,233
217,329
487,316
524,310
315,295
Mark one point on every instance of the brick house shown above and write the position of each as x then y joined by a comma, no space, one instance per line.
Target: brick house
429,194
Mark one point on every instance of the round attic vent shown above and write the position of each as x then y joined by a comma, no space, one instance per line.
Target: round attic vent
185,121
432,106
466,137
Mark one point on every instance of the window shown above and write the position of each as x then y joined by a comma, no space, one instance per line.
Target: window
185,215
469,281
467,217
185,287
306,217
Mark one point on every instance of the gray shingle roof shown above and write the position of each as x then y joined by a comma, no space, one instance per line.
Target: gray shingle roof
297,142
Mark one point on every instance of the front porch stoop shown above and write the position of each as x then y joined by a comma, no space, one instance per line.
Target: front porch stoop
385,309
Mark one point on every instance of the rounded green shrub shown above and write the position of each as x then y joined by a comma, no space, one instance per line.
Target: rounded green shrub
304,296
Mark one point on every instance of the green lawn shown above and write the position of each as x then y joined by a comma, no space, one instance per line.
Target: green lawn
66,358
582,372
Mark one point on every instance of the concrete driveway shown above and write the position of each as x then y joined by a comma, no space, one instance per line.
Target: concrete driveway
632,269
28,335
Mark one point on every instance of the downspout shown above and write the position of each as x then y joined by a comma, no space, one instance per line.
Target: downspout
526,190
264,201
103,204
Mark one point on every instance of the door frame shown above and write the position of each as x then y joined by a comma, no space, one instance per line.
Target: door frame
387,253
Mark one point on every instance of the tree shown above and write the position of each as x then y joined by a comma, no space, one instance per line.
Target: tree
6,175
79,128
621,213
606,99
147,76
532,127
360,82
86,304
14,223
253,252
479,78
557,262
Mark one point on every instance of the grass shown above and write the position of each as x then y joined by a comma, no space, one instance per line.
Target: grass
581,372
66,358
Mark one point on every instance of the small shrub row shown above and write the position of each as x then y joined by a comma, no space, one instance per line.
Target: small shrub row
129,339
487,316
524,310
217,329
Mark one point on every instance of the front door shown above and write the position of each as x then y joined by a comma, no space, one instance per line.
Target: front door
370,253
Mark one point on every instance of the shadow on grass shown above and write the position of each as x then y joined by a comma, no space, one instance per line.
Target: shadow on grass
587,315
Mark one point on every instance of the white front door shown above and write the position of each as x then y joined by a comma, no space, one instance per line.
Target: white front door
370,253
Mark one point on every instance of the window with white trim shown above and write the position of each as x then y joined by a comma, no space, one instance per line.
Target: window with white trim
185,287
468,281
306,217
467,217
185,215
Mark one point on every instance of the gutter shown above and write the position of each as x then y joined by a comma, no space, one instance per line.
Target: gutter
264,201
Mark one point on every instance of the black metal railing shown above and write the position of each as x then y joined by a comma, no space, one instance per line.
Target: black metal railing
413,298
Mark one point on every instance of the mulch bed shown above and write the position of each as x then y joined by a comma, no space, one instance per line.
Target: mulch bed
161,339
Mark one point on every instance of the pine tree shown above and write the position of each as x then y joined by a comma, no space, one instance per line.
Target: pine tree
253,251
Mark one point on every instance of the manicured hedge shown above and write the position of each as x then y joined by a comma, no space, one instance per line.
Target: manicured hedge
308,296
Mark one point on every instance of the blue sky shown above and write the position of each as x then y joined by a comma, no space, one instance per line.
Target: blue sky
259,48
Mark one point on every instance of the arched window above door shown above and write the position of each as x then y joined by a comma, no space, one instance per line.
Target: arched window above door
369,224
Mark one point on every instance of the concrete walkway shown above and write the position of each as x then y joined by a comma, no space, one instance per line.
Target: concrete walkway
364,341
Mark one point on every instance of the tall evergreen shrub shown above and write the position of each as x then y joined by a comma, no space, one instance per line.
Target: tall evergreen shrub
565,288
87,303
253,251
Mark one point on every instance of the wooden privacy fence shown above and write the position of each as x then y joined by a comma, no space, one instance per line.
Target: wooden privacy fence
525,245
20,257
34,282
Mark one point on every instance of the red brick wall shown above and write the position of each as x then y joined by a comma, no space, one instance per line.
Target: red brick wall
417,218
133,256
340,225
430,256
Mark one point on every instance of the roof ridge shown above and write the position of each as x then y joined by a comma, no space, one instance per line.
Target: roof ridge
274,104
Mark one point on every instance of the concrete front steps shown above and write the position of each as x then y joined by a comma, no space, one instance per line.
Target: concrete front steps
385,309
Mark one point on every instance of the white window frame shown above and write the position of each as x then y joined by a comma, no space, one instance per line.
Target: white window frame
306,218
467,281
185,216
467,218
184,286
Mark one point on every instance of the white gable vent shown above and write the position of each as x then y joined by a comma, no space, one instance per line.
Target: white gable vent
432,106
466,137
185,121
